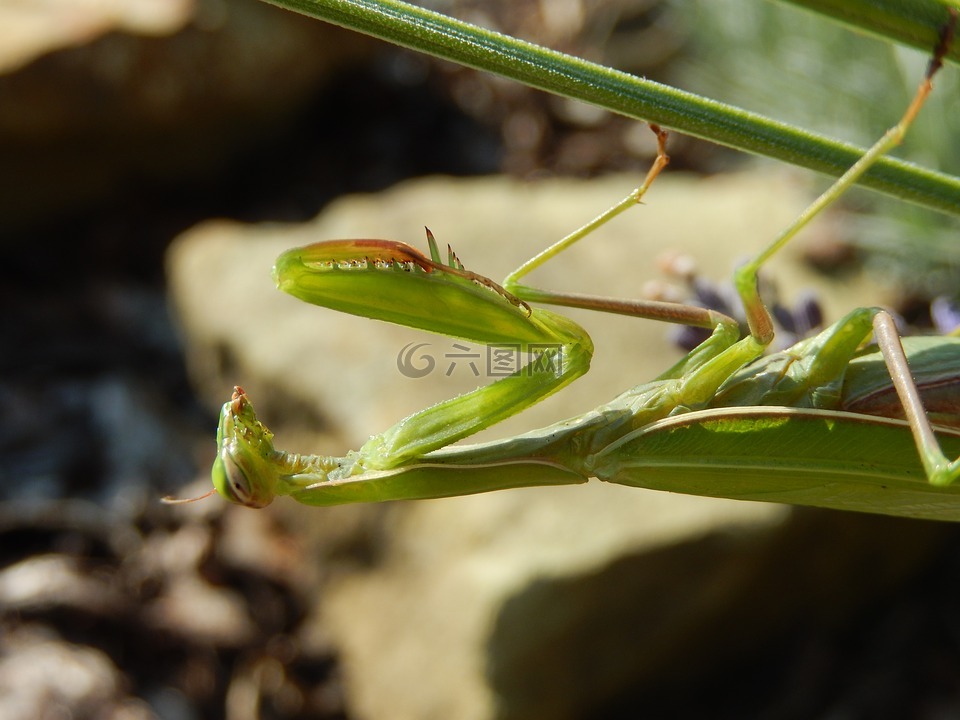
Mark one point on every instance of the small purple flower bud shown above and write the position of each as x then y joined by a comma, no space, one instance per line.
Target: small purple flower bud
945,313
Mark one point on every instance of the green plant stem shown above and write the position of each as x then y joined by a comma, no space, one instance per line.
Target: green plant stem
466,44
915,23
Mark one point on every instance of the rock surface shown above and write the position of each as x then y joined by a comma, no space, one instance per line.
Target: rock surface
31,30
96,95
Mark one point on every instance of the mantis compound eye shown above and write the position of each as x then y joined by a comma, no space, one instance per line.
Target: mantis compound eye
236,481
232,482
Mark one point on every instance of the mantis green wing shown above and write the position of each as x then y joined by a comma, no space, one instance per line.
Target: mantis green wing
827,459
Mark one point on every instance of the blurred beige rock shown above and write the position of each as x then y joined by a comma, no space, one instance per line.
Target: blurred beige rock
240,330
535,603
96,92
31,29
342,369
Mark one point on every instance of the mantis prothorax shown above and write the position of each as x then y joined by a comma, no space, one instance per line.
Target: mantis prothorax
816,424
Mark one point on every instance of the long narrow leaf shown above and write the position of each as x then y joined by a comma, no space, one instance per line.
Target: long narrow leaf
555,72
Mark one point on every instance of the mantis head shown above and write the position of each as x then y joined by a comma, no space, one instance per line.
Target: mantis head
245,471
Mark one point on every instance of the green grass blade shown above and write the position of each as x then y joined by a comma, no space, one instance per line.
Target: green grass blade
555,72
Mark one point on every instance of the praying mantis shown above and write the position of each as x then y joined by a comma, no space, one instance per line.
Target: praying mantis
828,422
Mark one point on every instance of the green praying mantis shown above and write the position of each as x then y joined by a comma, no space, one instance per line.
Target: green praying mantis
828,422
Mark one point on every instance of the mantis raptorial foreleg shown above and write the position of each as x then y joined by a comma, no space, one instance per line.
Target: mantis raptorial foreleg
722,394
494,314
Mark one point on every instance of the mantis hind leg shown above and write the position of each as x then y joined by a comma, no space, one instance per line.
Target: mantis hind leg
941,471
745,279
